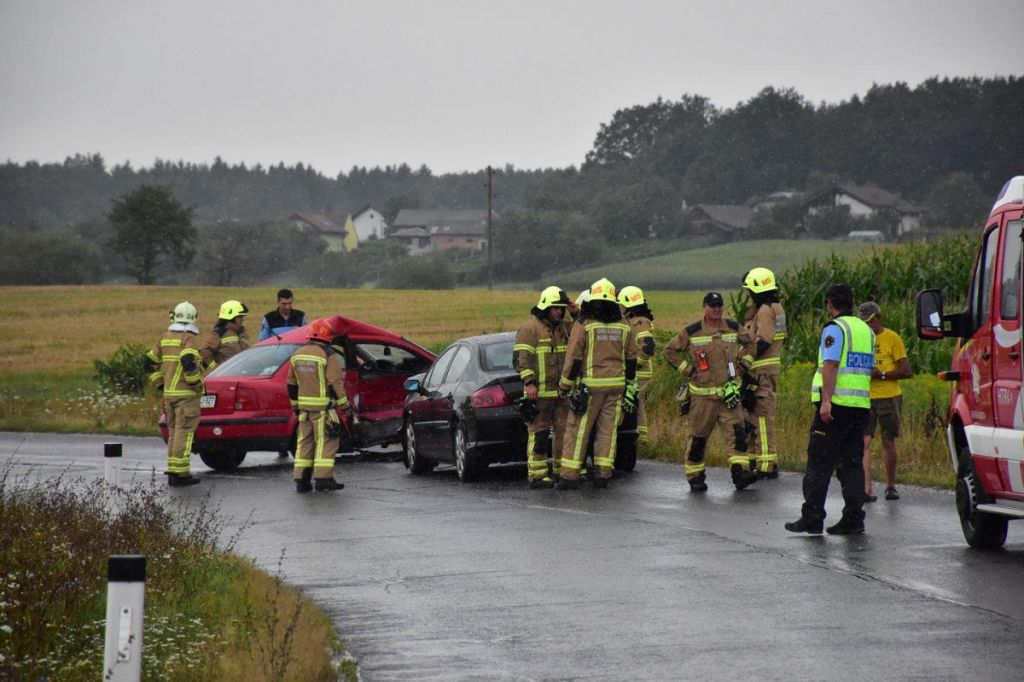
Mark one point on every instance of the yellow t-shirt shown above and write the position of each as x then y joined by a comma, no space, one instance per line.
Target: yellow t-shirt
889,350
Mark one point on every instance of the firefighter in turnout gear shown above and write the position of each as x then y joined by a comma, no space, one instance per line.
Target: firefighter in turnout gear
316,389
762,336
705,354
228,337
600,367
174,366
538,356
639,317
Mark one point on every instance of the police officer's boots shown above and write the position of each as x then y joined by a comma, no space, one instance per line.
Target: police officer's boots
698,483
304,484
181,481
326,485
741,477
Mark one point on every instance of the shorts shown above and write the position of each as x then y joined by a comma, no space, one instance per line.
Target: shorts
885,412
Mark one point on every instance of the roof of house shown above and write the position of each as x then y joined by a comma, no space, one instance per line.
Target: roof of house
431,217
361,211
319,221
729,216
409,232
872,196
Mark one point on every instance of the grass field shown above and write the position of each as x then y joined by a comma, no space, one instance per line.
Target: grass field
719,266
49,347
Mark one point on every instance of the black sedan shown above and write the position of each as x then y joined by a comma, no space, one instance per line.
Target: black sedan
461,411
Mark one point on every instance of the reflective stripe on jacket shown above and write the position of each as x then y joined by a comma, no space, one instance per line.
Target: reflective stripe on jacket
317,372
853,379
168,353
602,348
538,354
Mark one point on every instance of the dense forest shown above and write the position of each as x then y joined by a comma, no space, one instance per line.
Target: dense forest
947,144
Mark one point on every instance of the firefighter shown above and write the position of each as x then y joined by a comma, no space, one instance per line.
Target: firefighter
538,355
175,368
705,355
600,370
228,337
763,333
316,389
638,315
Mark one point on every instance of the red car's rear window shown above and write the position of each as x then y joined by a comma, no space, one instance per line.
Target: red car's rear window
260,361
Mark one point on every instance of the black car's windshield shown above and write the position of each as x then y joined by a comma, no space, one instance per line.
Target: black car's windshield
261,361
496,357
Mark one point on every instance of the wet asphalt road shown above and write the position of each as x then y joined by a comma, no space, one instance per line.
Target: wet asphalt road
429,579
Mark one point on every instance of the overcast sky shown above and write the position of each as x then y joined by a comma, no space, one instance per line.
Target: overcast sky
455,85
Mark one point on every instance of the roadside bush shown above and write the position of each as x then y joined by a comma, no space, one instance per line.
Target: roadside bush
418,272
48,257
124,371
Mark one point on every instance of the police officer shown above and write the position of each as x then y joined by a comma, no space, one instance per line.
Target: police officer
763,333
841,393
175,367
538,355
228,337
316,389
639,317
705,355
600,364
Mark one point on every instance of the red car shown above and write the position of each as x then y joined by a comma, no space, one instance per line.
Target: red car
246,404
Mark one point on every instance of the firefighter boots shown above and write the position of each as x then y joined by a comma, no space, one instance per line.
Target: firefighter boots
741,477
304,484
698,483
181,480
326,485
600,482
541,483
566,484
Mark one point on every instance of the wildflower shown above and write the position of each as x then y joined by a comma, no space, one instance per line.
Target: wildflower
6,629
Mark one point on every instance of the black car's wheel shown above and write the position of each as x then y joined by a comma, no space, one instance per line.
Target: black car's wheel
222,460
414,462
467,465
625,452
981,530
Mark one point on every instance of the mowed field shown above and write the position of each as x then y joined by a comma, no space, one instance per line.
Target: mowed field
59,331
715,266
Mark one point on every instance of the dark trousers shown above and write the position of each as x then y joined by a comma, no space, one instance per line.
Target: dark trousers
836,447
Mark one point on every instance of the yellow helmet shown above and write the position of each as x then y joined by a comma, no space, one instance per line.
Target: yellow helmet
583,297
184,313
551,297
631,297
602,290
229,310
760,280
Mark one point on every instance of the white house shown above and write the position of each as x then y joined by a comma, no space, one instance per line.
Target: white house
368,222
867,200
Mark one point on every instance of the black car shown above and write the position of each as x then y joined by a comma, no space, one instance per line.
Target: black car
461,411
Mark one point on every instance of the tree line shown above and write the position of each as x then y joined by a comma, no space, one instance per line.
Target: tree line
946,143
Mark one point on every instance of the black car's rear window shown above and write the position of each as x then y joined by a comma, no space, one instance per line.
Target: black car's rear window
496,356
261,361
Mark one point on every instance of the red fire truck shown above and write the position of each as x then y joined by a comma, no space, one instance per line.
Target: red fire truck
985,427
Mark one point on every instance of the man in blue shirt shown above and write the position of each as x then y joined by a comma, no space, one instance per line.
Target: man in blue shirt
284,318
840,392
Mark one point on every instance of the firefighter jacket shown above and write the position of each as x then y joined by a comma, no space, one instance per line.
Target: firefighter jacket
539,353
705,356
767,325
602,349
175,364
221,344
316,381
643,331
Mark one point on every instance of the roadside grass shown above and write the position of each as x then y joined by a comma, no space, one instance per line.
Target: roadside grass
209,615
721,266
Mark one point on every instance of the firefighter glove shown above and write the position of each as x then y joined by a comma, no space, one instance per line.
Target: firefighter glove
631,396
579,399
683,398
527,409
731,394
747,393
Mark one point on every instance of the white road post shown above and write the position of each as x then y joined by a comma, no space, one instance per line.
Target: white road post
112,463
126,592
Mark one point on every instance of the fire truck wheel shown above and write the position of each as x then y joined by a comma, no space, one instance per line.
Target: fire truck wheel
981,530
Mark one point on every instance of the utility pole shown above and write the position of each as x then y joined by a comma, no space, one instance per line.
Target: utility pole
490,262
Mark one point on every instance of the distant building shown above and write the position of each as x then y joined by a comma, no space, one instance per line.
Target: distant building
368,222
873,236
722,222
868,200
338,237
441,229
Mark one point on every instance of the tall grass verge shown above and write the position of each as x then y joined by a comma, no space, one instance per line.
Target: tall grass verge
209,615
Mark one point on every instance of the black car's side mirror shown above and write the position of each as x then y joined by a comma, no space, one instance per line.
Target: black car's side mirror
412,385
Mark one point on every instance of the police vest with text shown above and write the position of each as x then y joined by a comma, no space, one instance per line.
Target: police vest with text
853,379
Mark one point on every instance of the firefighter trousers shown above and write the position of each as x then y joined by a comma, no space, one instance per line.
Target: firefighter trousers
641,411
604,412
705,413
763,419
182,422
316,443
541,452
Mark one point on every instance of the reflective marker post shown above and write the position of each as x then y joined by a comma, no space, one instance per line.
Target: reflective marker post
126,591
112,463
